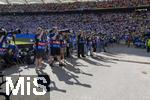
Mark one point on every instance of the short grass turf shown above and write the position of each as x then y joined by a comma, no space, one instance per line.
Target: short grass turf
21,43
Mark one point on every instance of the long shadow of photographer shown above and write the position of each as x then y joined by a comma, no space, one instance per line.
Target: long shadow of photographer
73,61
50,85
3,94
72,68
104,59
94,63
53,87
66,76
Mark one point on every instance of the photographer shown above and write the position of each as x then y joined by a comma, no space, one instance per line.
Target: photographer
40,48
3,49
7,49
63,46
55,47
81,43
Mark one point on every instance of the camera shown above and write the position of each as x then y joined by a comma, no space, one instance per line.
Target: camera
17,31
2,32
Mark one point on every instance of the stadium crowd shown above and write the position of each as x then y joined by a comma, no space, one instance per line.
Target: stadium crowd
109,23
108,4
92,30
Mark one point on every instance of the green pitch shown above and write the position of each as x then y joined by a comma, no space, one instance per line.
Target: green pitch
21,42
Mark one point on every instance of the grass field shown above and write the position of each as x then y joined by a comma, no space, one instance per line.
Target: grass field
21,42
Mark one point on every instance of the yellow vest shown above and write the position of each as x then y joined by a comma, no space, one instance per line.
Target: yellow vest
148,43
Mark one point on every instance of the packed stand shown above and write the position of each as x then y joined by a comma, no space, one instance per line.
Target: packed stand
106,23
52,7
88,33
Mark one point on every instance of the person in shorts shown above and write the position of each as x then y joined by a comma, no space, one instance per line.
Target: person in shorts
55,46
40,48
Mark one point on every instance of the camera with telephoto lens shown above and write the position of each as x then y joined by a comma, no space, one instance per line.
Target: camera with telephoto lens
17,31
27,55
3,32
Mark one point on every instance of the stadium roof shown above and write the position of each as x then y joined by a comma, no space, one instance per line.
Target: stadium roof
40,1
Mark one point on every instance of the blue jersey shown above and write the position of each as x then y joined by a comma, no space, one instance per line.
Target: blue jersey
3,51
50,36
94,41
55,44
40,44
89,42
3,46
63,44
82,40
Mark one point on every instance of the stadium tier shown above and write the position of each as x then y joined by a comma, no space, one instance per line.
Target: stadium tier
67,5
108,23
